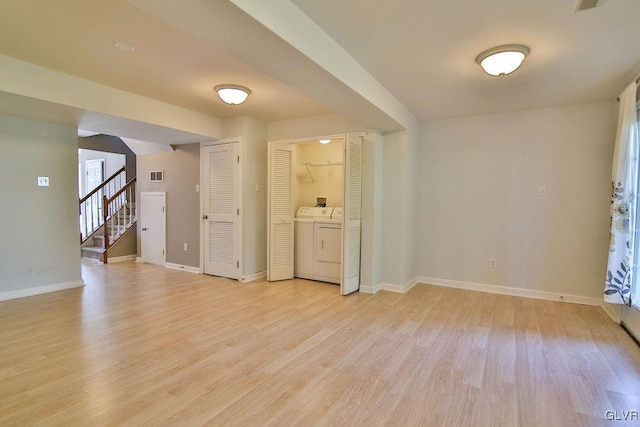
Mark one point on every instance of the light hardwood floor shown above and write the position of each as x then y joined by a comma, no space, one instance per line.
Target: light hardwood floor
143,345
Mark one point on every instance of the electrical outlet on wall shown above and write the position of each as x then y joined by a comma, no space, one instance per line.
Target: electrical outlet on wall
186,247
492,263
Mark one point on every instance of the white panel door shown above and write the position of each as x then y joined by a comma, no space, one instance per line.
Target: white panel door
351,220
221,210
152,223
280,212
95,173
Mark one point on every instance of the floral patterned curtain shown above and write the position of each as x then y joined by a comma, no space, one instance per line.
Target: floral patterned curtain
623,201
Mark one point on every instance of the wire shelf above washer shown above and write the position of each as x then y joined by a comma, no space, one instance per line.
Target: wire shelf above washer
327,163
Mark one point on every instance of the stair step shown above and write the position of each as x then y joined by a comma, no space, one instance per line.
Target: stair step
94,249
92,252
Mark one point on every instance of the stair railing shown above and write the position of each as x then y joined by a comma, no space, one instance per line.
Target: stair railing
91,207
119,214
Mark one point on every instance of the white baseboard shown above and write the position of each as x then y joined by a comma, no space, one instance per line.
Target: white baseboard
401,289
506,290
38,290
372,289
613,310
138,259
123,258
252,277
172,266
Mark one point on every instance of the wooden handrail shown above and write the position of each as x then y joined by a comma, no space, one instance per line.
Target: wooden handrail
101,186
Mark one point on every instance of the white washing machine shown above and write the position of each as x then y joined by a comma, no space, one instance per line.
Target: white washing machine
305,240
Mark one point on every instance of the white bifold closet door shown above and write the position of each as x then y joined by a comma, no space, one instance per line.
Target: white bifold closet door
221,213
280,212
352,214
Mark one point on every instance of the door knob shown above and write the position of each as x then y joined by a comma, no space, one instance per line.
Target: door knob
205,216
144,228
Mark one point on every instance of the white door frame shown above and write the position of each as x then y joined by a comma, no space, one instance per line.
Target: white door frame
240,199
308,139
164,221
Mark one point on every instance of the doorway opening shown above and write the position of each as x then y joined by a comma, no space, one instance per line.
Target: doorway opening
315,210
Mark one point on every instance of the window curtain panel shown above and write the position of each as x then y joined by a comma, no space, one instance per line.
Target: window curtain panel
624,184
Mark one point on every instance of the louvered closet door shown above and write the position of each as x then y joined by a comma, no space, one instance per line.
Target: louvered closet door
351,219
280,212
221,211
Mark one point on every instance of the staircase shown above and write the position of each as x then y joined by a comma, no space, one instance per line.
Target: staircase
107,213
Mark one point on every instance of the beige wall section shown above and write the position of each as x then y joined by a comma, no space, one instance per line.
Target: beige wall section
181,175
480,180
126,245
327,180
253,134
40,243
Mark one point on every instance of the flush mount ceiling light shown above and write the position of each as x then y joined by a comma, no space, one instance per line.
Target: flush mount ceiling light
502,60
232,94
324,141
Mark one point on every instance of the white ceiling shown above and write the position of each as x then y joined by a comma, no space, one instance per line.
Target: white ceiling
78,37
422,51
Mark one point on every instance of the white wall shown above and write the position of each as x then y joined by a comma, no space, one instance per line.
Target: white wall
394,220
181,175
112,163
101,108
328,181
479,198
39,237
327,124
400,206
254,170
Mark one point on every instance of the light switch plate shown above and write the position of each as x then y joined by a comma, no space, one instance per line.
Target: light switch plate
43,181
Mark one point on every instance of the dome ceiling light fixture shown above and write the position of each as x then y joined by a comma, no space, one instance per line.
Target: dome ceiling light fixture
502,60
232,94
324,141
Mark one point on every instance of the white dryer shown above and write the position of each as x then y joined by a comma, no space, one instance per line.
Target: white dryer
305,239
328,248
